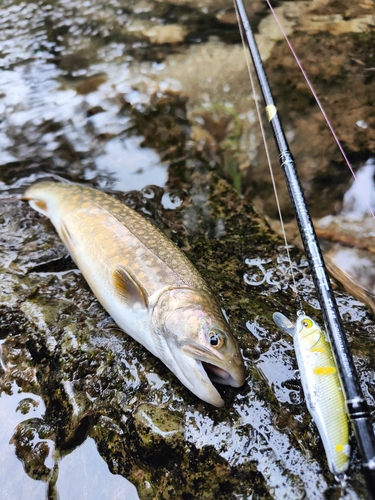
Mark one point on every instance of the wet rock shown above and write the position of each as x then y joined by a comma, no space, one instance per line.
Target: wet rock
97,382
90,85
34,450
170,33
163,124
160,432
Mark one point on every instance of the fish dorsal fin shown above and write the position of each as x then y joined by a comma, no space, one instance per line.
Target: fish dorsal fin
283,322
129,288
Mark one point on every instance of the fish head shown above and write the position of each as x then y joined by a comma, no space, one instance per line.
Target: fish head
308,332
305,331
195,342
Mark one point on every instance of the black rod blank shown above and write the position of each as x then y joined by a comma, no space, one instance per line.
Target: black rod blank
356,404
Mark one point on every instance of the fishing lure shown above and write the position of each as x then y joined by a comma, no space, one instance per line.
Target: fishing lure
322,387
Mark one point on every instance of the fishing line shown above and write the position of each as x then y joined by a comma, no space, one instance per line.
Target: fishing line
340,478
356,404
330,126
255,96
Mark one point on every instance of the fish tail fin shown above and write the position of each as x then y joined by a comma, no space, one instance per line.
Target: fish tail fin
37,196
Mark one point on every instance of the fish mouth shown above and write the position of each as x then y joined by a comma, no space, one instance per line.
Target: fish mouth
218,375
204,374
205,377
199,376
198,369
225,372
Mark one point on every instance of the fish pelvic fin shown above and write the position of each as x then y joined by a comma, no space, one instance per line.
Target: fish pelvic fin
284,323
129,288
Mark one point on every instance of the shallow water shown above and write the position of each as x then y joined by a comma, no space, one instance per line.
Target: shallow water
123,96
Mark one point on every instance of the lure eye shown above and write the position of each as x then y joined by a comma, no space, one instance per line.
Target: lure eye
307,323
216,339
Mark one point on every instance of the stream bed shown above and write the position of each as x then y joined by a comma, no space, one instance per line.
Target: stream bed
150,101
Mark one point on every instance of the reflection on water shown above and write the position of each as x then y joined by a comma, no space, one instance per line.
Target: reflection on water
15,484
62,97
356,263
130,166
275,365
360,197
353,229
84,475
30,464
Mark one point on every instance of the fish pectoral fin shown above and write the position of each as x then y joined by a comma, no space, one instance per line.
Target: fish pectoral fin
283,322
129,288
66,237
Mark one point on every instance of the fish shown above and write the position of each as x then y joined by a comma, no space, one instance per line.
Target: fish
322,387
146,283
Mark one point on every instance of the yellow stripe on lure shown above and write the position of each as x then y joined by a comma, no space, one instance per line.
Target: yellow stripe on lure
322,387
146,283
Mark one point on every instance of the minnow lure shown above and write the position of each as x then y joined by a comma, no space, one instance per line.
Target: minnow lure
322,387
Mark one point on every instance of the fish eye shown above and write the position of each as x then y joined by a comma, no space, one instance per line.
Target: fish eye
216,338
307,323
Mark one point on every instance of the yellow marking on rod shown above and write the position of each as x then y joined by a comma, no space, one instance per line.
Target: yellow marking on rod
271,111
317,349
324,370
339,447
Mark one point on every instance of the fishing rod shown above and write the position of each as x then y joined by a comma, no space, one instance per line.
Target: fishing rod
356,405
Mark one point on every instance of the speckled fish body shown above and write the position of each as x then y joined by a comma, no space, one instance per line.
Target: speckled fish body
146,283
322,387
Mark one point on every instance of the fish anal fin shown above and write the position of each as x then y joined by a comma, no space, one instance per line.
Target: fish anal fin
283,322
129,288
